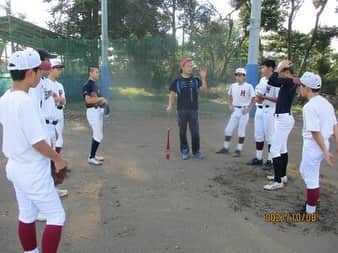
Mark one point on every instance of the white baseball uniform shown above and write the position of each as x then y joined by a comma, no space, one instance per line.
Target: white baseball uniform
94,113
58,89
264,120
26,168
241,99
50,113
318,116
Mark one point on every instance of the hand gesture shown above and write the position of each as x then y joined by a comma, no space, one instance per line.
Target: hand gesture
328,158
203,73
283,65
245,111
169,108
60,164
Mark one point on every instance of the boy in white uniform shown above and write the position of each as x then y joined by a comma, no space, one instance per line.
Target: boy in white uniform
266,97
59,99
29,155
242,99
53,111
319,124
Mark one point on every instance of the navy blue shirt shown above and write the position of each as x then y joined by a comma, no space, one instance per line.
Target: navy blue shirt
286,93
187,92
89,87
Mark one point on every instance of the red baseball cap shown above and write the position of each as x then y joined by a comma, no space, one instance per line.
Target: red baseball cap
184,61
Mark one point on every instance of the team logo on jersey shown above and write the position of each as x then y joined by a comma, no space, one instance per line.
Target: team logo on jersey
242,93
60,92
48,93
268,88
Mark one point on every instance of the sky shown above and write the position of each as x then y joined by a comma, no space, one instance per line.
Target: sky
36,11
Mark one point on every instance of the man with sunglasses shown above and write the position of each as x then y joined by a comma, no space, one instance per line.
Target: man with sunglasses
242,99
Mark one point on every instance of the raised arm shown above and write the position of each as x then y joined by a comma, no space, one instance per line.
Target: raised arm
203,75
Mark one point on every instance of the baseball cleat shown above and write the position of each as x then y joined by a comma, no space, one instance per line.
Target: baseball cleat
199,155
273,186
93,161
223,151
255,162
185,154
99,158
284,179
62,192
237,153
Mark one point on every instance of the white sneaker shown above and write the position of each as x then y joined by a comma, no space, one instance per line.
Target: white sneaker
99,158
273,186
93,161
41,217
284,179
62,192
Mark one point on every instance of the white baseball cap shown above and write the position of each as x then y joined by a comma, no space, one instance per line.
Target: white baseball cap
22,60
56,63
240,71
311,80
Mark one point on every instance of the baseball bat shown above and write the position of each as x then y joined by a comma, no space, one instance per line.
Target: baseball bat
167,151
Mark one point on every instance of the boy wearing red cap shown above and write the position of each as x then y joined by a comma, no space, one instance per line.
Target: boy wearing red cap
186,88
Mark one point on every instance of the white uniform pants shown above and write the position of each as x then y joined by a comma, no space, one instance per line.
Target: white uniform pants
35,191
309,168
283,125
264,124
95,120
59,129
237,119
51,133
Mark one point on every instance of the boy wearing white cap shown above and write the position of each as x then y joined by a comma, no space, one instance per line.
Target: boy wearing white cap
29,156
53,107
242,99
319,124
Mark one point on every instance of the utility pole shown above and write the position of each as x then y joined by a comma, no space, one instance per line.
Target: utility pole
105,70
255,27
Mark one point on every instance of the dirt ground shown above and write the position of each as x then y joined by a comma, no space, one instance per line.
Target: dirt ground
140,202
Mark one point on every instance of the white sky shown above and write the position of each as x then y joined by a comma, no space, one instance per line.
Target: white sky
36,12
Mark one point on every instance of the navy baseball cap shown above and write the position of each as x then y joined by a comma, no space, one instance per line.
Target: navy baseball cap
44,54
269,63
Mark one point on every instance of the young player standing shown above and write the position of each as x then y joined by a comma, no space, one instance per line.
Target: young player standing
319,124
266,97
242,99
55,91
29,155
95,111
187,87
284,123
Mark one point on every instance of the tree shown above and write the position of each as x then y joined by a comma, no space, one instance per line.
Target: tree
292,6
319,4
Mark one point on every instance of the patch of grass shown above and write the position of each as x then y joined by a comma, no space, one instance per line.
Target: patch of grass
132,92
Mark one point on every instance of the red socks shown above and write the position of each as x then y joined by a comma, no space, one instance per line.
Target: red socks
27,235
312,197
51,238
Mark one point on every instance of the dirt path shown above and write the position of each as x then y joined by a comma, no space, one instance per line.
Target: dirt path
140,202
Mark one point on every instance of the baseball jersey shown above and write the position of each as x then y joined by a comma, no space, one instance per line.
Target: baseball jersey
37,95
286,93
22,127
57,88
318,116
48,107
241,94
265,89
187,92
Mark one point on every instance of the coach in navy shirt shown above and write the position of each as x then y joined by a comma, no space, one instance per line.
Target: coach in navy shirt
186,88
